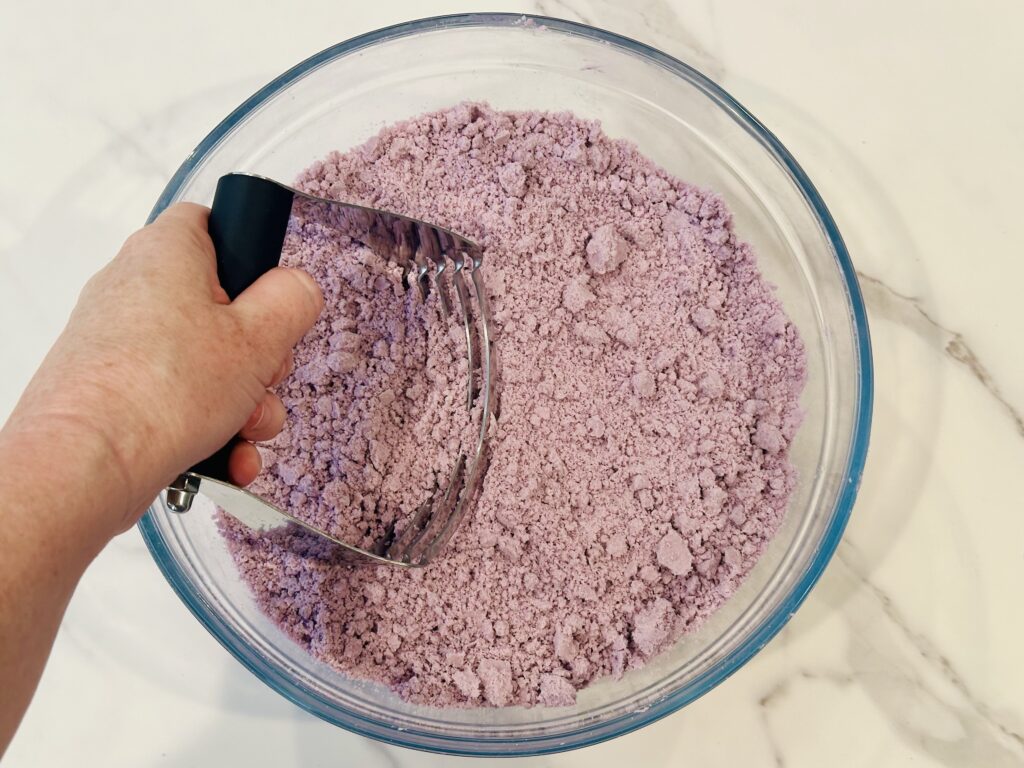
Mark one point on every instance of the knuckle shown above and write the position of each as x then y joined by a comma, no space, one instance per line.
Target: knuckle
138,240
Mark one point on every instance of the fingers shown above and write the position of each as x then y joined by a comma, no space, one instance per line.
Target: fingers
244,463
190,215
181,231
185,227
276,311
266,420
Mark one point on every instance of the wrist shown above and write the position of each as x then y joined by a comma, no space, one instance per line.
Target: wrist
78,485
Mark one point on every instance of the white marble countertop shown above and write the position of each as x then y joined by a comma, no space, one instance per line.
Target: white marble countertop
910,119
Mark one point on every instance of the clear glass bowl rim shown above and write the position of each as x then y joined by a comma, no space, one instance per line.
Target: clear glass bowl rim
592,733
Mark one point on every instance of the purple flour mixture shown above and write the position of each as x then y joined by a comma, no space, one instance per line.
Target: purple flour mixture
649,382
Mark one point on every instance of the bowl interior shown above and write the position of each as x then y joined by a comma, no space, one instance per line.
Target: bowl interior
342,97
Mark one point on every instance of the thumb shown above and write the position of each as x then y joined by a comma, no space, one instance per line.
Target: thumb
276,311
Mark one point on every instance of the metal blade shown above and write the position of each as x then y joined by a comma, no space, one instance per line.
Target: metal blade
261,516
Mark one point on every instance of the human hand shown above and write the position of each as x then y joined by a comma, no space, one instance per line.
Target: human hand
156,370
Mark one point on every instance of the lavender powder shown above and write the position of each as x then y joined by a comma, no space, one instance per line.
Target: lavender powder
639,464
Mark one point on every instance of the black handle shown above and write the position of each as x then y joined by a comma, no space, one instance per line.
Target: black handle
248,220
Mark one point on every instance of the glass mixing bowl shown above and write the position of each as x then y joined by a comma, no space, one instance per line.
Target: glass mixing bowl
690,126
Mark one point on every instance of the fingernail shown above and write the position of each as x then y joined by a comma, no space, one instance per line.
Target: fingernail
311,286
281,372
257,416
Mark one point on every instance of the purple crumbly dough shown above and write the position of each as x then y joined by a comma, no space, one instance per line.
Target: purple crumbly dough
639,465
